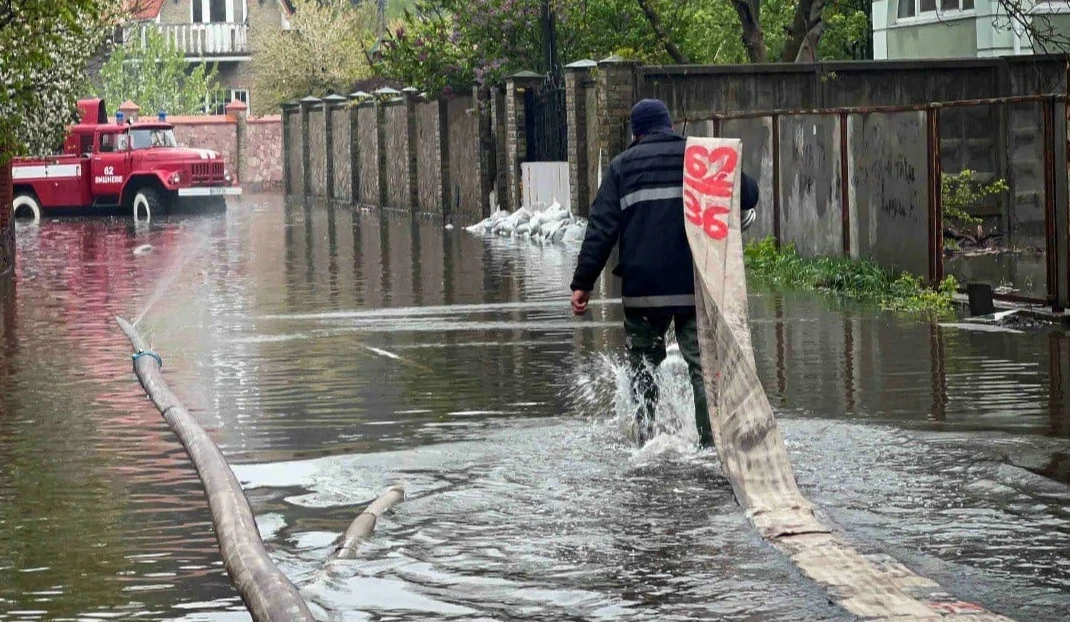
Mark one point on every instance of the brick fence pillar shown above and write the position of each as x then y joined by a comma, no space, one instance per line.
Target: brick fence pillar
616,92
517,87
287,170
330,104
444,183
354,143
497,114
577,77
306,154
238,111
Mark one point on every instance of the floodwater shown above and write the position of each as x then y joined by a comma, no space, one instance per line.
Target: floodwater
333,353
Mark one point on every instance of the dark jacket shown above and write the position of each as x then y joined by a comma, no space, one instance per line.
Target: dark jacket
640,204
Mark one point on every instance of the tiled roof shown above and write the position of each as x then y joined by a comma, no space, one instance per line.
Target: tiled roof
144,9
150,9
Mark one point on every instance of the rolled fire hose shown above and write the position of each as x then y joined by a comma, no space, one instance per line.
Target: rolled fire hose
748,442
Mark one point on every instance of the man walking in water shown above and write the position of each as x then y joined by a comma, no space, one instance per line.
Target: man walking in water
640,205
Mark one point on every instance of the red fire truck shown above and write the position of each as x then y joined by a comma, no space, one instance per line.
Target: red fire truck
135,166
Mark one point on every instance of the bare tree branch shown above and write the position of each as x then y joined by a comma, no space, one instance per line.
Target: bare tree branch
651,16
1034,26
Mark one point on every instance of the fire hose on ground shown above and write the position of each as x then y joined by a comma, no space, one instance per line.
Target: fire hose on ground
267,593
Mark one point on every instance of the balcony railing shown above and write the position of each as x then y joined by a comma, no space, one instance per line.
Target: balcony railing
201,40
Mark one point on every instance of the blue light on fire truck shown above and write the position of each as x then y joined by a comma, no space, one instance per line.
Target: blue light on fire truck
162,116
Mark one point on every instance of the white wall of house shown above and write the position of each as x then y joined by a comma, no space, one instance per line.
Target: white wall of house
904,29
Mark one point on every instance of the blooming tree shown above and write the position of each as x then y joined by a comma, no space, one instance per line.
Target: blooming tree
324,51
45,46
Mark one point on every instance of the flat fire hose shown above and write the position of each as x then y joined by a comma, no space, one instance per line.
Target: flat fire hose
748,442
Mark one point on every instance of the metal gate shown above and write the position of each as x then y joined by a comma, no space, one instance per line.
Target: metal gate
544,120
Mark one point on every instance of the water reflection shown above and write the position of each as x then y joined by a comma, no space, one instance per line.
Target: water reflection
332,352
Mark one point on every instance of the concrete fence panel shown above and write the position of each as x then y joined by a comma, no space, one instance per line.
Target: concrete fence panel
757,137
429,156
463,127
368,135
341,156
317,153
888,180
811,215
295,140
395,152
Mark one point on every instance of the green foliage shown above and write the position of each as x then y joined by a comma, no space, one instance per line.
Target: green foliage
960,192
44,50
152,71
325,51
859,280
437,44
848,29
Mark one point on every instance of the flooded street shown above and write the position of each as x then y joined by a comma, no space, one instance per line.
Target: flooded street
332,353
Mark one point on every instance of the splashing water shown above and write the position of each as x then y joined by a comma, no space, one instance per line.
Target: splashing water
171,274
605,380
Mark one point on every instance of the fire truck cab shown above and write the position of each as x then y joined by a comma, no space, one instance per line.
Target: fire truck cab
136,166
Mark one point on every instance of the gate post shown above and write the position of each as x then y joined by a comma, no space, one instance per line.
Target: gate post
577,76
517,87
1060,161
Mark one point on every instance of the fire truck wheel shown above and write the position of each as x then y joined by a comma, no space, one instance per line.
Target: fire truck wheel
146,202
26,206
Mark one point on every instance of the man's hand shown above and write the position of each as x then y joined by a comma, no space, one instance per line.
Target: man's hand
579,301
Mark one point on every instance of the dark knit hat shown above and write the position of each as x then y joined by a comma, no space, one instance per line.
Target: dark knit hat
650,114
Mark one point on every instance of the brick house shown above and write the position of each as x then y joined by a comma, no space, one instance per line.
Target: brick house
217,32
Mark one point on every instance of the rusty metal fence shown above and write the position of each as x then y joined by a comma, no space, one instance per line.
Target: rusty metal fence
870,183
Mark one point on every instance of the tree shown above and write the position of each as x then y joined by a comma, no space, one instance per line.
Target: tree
152,71
46,45
325,51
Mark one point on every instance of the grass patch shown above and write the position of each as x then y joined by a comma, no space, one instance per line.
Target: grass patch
855,279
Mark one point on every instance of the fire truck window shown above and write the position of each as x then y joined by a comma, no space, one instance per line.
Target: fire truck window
157,137
86,146
122,142
107,143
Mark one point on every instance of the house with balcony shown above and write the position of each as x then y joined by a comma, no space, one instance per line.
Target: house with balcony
912,29
216,32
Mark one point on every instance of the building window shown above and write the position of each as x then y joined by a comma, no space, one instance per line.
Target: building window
217,11
216,103
927,8
241,95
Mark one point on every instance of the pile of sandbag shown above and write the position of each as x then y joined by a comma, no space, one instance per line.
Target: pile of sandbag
543,224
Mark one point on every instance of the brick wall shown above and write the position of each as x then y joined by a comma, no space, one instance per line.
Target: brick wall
262,169
263,153
217,133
